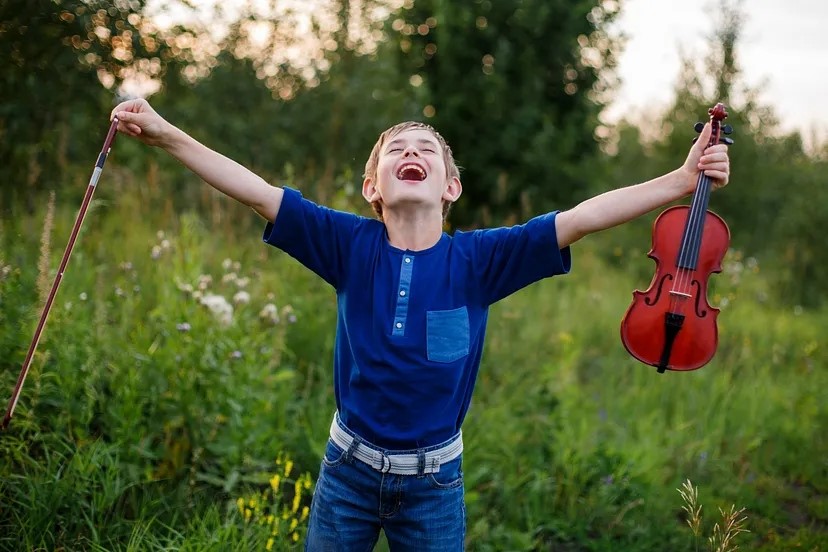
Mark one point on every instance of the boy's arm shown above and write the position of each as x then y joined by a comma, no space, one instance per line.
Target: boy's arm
624,204
138,119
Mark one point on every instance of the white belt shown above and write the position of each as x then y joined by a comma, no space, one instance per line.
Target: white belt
390,462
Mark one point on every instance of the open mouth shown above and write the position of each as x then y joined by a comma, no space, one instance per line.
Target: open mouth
411,171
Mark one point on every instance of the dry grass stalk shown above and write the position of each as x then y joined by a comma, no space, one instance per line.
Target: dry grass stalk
733,523
43,271
690,495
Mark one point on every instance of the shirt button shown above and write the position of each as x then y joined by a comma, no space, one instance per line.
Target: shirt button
399,325
408,259
402,293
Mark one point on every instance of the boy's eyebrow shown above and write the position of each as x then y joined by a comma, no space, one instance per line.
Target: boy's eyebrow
420,142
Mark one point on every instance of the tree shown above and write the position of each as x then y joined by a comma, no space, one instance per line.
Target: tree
516,88
59,59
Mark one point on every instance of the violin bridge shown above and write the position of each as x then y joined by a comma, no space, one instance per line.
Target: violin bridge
680,294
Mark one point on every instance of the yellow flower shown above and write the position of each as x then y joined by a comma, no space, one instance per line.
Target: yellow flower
295,537
269,544
274,482
305,512
288,467
293,523
240,504
270,519
307,482
247,514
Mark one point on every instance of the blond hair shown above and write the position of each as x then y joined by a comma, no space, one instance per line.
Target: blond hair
452,171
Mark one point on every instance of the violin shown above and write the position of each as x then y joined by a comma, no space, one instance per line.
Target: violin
671,325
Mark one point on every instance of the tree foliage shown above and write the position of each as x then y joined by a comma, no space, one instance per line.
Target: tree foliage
516,88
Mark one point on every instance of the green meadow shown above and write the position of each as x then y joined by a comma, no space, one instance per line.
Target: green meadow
181,395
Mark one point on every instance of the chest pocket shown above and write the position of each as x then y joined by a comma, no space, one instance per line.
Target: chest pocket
447,334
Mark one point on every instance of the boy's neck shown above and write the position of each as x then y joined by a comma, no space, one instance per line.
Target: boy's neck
413,231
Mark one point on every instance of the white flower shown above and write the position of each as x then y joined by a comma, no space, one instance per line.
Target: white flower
241,298
83,296
226,264
156,252
242,282
229,277
219,306
270,313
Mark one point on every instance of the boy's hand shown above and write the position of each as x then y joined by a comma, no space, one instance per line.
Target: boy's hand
138,119
714,161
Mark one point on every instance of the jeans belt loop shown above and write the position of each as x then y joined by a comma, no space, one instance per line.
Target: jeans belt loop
420,463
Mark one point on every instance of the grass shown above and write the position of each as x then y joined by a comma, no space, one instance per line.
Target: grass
152,413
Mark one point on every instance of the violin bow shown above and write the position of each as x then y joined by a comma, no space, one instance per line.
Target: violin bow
87,198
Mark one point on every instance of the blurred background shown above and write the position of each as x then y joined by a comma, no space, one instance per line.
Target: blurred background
181,394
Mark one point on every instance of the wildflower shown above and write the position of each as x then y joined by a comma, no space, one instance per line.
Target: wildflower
83,296
293,523
247,514
219,306
136,289
236,266
156,252
242,282
229,277
119,292
160,234
183,327
269,545
288,467
126,266
274,482
241,298
186,288
204,281
269,313
240,504
287,313
165,244
305,512
235,355
226,264
295,537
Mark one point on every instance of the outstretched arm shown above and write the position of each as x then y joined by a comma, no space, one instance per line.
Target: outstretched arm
138,119
624,204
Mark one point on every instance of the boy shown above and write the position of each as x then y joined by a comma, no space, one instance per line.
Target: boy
412,310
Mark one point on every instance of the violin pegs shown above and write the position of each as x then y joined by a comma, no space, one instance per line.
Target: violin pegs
698,127
727,141
727,129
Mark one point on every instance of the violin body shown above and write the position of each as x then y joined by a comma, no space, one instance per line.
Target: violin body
671,325
677,293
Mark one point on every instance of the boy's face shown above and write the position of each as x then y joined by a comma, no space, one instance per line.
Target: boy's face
411,172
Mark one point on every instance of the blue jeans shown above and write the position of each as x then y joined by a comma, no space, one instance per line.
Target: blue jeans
353,501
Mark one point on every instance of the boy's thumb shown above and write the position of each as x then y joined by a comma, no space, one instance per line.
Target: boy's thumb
704,137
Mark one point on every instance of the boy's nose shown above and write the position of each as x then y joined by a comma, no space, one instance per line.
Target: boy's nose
411,150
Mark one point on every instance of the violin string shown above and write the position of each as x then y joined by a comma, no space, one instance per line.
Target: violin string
689,238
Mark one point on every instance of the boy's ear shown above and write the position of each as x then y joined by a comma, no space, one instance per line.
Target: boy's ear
369,190
453,190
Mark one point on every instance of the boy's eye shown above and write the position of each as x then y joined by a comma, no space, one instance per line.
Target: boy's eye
393,150
429,150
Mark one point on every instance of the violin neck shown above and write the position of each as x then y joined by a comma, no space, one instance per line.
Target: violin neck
694,227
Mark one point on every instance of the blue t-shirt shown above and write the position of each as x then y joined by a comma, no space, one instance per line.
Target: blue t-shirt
411,324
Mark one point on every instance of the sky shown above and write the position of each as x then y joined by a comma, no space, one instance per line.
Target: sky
783,52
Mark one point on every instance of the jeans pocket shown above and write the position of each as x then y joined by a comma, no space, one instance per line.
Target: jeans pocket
450,476
447,334
333,456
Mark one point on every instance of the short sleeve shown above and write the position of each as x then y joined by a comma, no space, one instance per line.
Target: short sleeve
318,237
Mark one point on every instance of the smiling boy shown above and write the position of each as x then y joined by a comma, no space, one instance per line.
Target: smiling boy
412,307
